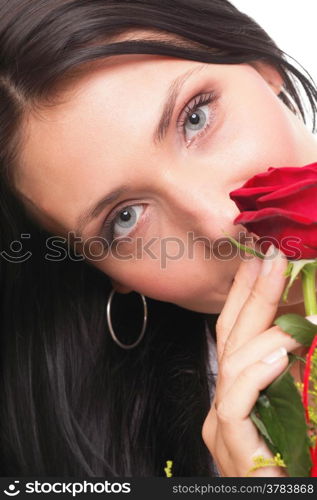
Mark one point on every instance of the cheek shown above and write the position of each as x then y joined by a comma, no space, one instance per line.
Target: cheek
180,279
262,132
278,134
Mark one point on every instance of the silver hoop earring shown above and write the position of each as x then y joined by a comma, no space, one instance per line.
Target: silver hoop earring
113,335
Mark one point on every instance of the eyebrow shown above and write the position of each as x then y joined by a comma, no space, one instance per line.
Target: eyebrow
169,105
98,207
158,136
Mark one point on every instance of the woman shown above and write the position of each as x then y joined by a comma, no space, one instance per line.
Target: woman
175,104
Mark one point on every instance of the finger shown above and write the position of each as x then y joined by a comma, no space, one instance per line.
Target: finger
233,409
255,349
239,292
227,464
214,442
259,309
218,451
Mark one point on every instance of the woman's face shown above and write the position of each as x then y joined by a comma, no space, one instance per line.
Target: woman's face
104,137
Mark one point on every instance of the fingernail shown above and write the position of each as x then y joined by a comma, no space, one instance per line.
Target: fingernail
253,267
269,260
312,318
275,356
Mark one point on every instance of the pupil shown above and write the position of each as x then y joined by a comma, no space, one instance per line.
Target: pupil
194,118
125,216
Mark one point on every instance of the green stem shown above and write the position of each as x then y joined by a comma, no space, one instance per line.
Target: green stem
308,276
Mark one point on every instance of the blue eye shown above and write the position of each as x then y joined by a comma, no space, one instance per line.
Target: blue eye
123,219
196,117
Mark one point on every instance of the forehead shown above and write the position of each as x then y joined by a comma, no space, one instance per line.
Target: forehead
73,146
97,135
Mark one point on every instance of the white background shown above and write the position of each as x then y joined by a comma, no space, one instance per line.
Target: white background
291,24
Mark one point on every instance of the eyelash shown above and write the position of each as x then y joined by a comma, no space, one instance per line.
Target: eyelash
199,101
107,230
190,108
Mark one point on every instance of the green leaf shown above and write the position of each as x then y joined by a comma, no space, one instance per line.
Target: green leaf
294,357
260,425
297,327
283,426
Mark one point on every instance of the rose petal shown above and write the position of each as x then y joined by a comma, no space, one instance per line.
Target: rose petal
300,198
294,234
247,197
282,176
269,213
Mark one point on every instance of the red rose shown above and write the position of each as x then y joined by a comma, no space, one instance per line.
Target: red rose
280,206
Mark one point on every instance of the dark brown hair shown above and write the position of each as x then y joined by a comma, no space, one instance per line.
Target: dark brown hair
72,403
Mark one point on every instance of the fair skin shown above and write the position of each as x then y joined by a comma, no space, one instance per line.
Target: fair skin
100,136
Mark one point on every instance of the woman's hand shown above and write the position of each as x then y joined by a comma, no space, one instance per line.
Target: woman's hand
251,354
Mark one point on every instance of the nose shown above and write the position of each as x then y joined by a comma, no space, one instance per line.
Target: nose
203,206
